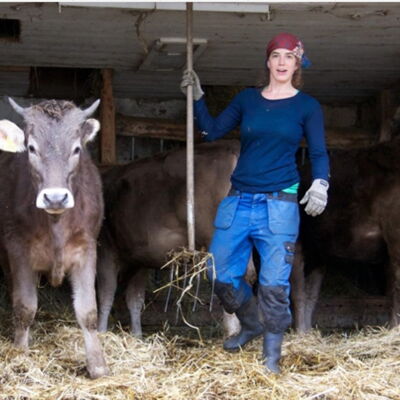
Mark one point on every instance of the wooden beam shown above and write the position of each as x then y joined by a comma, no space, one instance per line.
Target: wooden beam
150,127
107,120
172,130
11,68
157,128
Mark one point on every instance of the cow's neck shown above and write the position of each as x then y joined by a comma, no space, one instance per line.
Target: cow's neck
58,234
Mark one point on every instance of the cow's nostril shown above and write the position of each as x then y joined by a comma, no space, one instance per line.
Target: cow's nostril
46,199
64,199
55,199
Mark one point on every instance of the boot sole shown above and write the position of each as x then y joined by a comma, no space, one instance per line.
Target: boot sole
234,349
237,349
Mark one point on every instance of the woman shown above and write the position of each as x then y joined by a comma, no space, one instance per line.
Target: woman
261,208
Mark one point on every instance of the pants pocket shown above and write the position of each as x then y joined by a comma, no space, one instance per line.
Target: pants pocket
283,216
290,249
226,212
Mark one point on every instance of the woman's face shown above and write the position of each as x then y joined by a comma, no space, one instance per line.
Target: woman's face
282,64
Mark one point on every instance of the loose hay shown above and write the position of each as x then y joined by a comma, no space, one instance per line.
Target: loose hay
362,365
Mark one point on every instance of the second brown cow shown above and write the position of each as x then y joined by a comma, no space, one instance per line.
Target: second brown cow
146,217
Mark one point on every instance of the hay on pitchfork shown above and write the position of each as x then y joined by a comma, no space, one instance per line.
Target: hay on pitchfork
187,268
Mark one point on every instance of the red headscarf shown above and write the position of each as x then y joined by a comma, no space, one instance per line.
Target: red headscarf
289,42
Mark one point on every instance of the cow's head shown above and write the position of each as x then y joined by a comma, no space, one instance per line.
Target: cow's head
11,137
56,133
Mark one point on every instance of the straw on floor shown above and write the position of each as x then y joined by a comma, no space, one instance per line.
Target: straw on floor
362,365
172,365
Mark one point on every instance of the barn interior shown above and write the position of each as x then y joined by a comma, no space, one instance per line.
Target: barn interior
131,55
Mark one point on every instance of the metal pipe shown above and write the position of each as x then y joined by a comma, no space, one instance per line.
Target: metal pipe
189,131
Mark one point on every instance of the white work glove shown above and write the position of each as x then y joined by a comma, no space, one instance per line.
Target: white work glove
316,197
191,78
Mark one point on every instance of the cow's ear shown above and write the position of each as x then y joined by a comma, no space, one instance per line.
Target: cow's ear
89,129
12,138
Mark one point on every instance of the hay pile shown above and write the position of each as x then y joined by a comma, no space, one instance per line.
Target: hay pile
166,365
363,365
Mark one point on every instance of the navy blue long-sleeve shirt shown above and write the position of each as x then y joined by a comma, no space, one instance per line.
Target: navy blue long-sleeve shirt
270,135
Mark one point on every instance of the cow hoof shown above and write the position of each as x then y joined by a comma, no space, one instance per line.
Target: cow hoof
137,334
24,348
98,372
21,341
302,331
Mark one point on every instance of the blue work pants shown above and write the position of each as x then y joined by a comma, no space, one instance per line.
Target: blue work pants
270,222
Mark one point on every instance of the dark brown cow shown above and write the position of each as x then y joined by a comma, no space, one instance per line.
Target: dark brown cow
360,223
51,209
146,216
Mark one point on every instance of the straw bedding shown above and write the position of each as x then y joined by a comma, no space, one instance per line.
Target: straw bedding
361,365
174,364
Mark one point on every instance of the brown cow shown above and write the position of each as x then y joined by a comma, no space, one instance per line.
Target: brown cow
360,223
51,209
146,217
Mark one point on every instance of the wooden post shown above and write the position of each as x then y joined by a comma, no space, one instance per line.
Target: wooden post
189,132
107,119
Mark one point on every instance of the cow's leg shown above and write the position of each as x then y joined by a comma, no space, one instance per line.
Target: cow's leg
107,276
230,322
313,286
134,296
389,278
24,300
83,285
298,294
305,292
393,274
395,289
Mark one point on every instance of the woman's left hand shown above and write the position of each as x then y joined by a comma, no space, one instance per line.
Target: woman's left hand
316,197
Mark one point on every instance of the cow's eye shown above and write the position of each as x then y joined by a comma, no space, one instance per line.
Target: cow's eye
77,150
31,149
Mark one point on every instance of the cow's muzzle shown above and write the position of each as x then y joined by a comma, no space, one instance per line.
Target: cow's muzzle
55,200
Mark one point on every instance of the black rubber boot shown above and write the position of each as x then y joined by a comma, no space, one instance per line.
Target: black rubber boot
251,326
272,351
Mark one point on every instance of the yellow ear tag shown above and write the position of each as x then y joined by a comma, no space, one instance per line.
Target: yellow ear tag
6,144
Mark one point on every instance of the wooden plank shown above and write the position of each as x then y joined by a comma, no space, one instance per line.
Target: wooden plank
107,120
14,68
14,81
172,130
348,312
151,128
